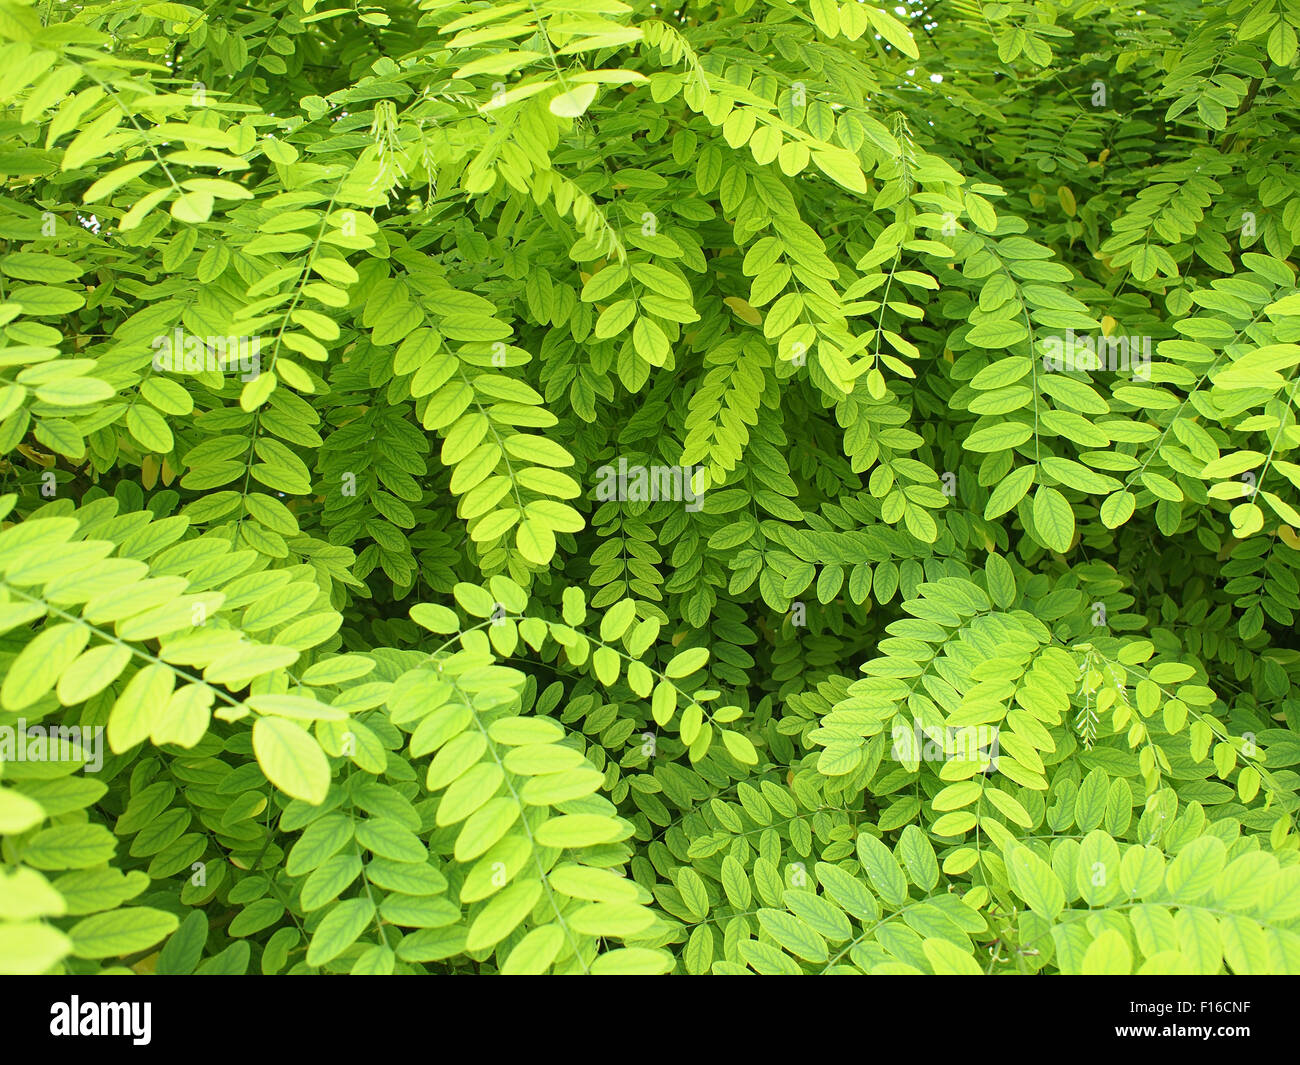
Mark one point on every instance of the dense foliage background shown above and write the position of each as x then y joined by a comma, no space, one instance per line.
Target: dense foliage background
394,672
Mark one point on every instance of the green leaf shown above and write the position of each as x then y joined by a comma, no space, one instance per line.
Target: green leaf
739,747
1035,882
182,952
502,915
1053,519
30,948
535,541
949,960
533,954
998,437
120,932
339,930
793,935
841,167
892,31
1117,509
1108,955
1009,492
435,618
686,662
291,759
574,102
883,869
577,830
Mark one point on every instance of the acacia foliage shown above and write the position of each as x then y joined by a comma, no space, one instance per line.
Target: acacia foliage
387,687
